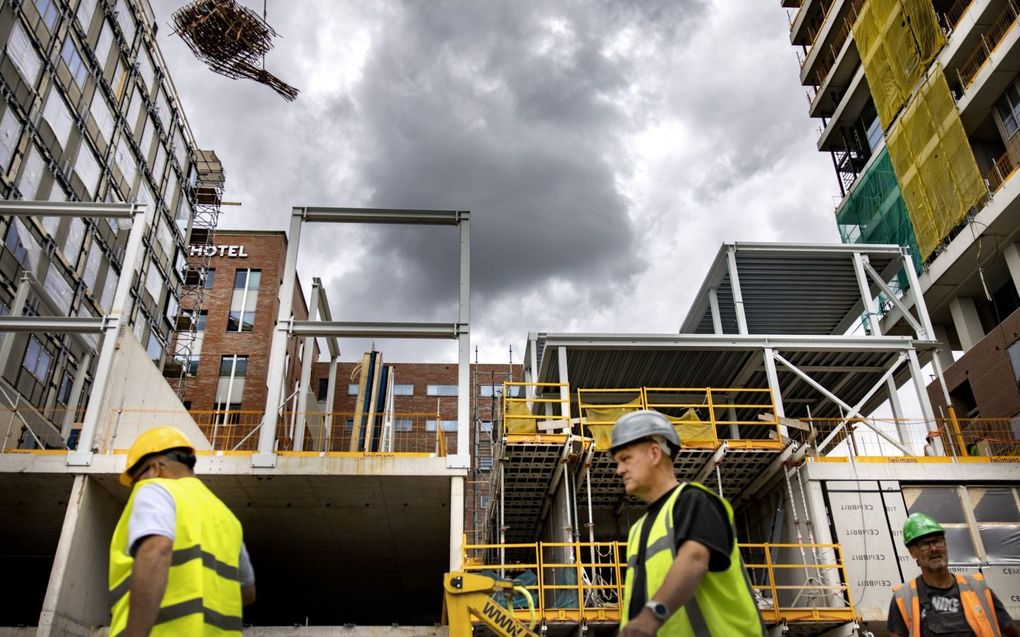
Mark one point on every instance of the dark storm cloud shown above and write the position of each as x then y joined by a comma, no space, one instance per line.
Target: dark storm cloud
590,140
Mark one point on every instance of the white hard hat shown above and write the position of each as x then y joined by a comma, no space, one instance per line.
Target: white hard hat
639,425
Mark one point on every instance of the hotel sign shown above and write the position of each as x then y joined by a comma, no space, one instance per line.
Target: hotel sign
217,251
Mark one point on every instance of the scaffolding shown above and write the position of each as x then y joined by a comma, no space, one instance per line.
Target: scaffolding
207,198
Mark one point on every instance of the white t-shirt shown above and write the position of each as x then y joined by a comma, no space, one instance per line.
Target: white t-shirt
155,513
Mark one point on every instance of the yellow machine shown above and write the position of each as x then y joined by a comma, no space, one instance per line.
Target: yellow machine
467,595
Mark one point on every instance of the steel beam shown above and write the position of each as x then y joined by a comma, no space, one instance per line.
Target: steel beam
748,342
870,309
326,314
313,214
919,330
66,209
53,324
376,330
713,304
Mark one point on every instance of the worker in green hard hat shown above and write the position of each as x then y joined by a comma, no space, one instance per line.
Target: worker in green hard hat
940,602
685,577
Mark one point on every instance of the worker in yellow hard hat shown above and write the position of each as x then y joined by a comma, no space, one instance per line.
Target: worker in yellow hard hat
178,565
685,577
940,602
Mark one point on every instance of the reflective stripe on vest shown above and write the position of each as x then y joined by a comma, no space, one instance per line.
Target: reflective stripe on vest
723,603
203,592
975,600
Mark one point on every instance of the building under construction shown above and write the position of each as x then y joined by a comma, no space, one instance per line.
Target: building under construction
772,380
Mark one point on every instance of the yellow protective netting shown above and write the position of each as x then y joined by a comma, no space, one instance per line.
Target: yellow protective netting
518,419
934,164
690,428
608,414
896,39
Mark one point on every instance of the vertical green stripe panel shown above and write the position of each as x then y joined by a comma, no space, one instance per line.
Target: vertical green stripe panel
875,212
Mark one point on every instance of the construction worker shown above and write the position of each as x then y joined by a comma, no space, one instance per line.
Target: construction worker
177,562
940,602
684,572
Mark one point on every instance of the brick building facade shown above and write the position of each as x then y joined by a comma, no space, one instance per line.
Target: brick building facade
225,388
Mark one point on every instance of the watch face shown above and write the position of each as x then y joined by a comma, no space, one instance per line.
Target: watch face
658,609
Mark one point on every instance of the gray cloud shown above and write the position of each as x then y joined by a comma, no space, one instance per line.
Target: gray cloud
589,140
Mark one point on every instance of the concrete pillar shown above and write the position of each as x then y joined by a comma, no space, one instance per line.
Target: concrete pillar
456,521
966,321
944,351
77,597
1012,254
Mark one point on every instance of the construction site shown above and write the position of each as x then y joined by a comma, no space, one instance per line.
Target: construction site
360,482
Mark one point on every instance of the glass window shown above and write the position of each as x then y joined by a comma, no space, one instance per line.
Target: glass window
193,365
1008,107
323,389
210,277
153,281
164,235
60,290
48,11
163,110
403,424
103,45
238,365
441,390
145,70
10,132
203,317
92,266
64,394
22,53
448,425
403,390
103,115
86,9
87,168
37,359
243,301
126,161
58,117
133,110
109,289
126,21
485,425
154,347
75,64
75,239
487,391
247,279
352,390
944,504
31,175
22,245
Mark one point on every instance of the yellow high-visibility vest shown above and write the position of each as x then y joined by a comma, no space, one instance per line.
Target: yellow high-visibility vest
723,604
203,590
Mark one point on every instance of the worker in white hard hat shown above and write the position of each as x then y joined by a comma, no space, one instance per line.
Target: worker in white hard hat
684,572
178,565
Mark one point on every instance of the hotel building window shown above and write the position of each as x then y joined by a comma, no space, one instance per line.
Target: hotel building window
244,300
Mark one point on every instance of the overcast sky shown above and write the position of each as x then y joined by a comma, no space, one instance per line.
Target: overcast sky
605,149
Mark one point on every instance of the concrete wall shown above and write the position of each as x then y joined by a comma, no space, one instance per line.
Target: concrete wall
77,599
137,397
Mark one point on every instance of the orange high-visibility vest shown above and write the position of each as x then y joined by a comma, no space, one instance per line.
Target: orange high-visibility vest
975,598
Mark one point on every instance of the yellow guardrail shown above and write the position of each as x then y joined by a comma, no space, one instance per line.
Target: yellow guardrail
528,407
583,581
963,438
704,416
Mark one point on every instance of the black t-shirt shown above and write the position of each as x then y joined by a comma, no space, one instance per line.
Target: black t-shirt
698,516
941,614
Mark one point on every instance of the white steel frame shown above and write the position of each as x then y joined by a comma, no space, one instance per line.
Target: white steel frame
287,326
108,325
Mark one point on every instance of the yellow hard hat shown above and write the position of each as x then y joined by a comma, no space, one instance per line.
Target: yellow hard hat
153,441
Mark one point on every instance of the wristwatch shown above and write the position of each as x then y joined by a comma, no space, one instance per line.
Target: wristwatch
658,609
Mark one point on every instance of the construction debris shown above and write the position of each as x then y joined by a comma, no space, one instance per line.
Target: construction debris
232,40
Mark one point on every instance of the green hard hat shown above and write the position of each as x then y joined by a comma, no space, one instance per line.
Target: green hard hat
918,525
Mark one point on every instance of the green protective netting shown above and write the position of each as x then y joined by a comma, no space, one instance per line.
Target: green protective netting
875,212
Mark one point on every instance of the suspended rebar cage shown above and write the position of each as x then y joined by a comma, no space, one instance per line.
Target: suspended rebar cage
231,39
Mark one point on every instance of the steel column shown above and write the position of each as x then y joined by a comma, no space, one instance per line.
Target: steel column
713,304
75,399
922,398
278,349
738,298
463,457
866,298
306,370
330,397
141,219
561,359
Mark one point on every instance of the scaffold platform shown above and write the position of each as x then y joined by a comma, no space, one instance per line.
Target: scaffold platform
526,466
